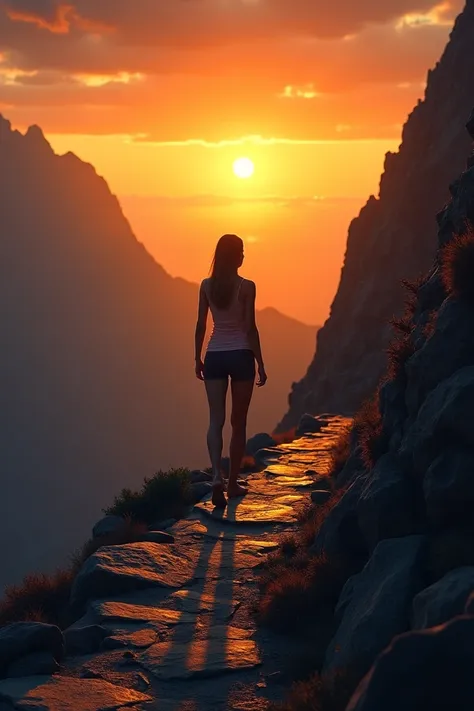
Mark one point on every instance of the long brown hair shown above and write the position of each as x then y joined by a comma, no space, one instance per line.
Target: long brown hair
227,259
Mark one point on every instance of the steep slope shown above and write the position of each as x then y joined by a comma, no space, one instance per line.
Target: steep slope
393,238
97,382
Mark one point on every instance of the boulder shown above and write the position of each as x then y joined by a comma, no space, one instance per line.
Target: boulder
34,664
376,604
450,348
387,506
259,441
444,600
113,570
448,411
320,496
197,476
84,640
22,638
309,424
448,485
429,669
340,535
107,525
200,491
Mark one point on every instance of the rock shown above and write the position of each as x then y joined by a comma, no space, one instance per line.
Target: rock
197,476
447,411
309,424
320,497
444,600
470,125
259,441
66,693
154,536
84,640
22,638
387,506
227,649
36,663
430,669
340,535
265,455
251,511
137,640
312,473
200,491
107,525
450,348
448,485
376,604
113,570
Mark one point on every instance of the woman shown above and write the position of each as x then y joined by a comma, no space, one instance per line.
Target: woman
231,353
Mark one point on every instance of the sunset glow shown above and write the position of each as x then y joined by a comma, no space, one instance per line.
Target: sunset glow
258,117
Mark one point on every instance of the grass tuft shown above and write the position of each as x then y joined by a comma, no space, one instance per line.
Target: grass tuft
165,495
457,263
318,694
369,427
298,591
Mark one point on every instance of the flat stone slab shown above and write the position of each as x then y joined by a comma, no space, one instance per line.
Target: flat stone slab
225,650
194,602
127,612
249,510
67,694
141,639
294,482
115,569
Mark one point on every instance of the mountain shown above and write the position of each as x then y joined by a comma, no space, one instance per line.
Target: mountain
97,368
393,238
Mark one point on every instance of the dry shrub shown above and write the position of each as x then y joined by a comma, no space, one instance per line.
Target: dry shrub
299,592
39,598
318,694
165,495
430,325
340,452
457,266
413,287
369,427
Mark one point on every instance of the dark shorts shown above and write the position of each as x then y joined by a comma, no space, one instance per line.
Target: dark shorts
237,365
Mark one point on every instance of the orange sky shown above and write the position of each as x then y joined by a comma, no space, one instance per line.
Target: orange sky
163,96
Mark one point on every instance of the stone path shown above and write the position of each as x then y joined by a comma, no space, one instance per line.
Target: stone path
179,618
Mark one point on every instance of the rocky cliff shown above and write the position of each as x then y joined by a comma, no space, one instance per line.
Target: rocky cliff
407,496
96,369
393,238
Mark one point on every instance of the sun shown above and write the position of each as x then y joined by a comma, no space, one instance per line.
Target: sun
243,167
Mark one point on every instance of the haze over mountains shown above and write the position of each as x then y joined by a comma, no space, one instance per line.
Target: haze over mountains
97,370
394,237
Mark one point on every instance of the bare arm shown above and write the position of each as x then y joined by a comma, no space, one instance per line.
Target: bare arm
251,325
201,324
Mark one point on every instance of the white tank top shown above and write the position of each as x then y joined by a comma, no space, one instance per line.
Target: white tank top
229,332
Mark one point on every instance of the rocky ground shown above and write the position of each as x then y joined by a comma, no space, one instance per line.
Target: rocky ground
170,627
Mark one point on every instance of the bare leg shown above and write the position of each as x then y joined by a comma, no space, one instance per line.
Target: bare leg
216,394
241,397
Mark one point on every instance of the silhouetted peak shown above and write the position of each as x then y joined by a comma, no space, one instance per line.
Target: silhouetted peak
5,125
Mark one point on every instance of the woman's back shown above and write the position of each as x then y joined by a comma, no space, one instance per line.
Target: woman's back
229,333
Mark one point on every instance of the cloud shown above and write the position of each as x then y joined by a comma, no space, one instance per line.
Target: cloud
274,67
213,22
